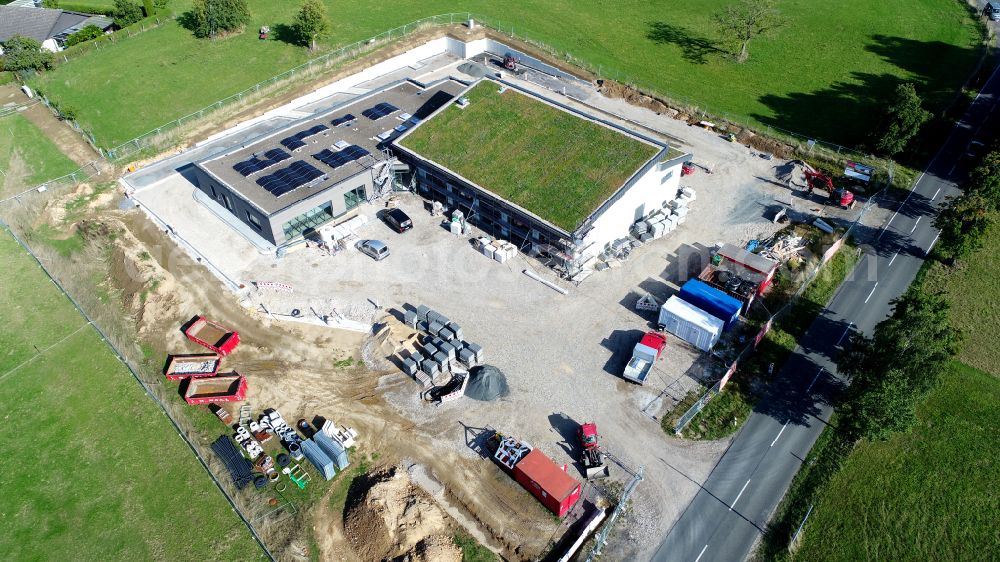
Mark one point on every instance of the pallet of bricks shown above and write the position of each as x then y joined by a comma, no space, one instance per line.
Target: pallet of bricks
442,343
664,221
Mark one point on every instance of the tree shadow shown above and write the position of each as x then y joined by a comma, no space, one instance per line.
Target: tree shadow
188,21
695,49
286,34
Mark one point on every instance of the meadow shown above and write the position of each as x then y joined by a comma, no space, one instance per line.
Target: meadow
27,156
93,470
921,495
826,73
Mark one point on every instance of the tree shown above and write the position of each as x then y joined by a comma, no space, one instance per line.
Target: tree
25,53
984,179
311,22
742,22
86,34
902,121
214,17
896,367
126,12
963,223
147,8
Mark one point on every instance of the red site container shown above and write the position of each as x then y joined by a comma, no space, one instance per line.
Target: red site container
212,335
547,481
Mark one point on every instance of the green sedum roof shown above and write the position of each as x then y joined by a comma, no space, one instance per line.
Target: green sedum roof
551,162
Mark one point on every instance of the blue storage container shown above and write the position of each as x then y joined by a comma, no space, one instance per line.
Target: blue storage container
713,301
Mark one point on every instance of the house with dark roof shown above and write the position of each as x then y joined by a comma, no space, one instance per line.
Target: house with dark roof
48,27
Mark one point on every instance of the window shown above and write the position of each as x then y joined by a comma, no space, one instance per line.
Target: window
228,203
666,177
309,220
354,197
254,221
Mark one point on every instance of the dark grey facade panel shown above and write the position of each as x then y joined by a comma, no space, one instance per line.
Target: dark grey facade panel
235,204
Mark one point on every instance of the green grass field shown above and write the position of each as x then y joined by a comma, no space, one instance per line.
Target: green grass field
975,302
924,495
825,73
546,160
27,157
93,470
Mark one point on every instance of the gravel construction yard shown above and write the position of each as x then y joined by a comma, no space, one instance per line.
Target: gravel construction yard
562,354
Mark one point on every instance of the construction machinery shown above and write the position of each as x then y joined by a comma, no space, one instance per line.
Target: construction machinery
510,62
593,456
818,180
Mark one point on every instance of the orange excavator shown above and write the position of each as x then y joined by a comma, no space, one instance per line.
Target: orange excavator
818,180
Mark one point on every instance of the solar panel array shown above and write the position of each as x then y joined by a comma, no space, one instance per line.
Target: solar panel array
341,157
287,179
295,141
379,111
341,120
258,163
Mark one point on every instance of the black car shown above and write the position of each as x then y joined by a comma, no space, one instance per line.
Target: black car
398,220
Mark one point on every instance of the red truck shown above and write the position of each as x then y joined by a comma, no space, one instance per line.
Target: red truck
212,335
645,353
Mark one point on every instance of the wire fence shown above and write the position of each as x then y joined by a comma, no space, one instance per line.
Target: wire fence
81,174
148,391
167,133
715,389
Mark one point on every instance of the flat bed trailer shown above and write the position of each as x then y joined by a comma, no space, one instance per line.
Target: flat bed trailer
217,389
212,335
645,353
195,365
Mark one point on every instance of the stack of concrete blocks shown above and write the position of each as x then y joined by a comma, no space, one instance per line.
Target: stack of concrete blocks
679,206
470,353
499,250
655,226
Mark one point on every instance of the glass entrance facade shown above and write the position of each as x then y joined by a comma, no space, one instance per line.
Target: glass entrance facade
308,221
354,197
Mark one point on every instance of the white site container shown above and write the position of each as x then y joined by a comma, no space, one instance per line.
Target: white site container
690,323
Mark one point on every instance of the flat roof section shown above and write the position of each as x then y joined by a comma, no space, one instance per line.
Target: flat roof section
554,163
319,142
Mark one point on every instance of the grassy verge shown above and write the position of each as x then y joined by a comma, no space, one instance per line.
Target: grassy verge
974,295
727,411
103,475
802,77
472,551
917,496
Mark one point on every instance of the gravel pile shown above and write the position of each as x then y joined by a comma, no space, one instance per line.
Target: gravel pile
194,367
473,69
486,383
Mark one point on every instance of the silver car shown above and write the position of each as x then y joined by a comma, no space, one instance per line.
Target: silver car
377,249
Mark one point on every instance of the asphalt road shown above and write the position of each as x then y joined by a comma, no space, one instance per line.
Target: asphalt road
735,503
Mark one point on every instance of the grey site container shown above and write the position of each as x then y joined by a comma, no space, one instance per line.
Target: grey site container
333,449
441,360
319,459
448,349
410,318
409,367
465,355
430,367
422,312
457,330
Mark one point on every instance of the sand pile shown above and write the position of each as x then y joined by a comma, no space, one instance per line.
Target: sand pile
486,383
393,519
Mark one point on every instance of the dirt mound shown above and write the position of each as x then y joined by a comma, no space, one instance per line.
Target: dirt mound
389,518
615,90
436,548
